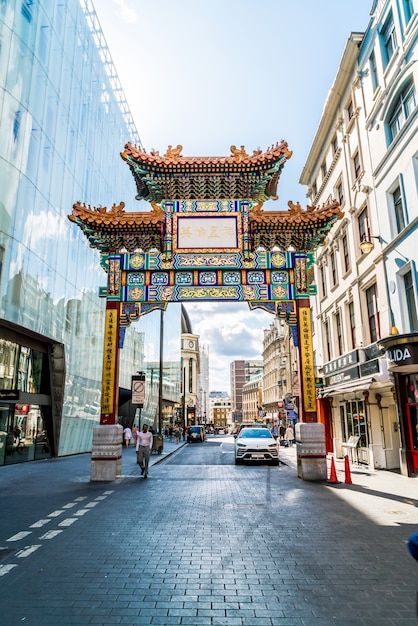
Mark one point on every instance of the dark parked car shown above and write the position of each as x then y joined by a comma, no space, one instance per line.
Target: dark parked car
196,433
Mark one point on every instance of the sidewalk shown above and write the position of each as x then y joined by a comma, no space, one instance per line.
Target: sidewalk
384,496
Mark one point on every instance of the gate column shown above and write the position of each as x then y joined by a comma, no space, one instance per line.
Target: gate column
106,457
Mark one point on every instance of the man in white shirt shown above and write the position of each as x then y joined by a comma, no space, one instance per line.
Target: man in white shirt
144,443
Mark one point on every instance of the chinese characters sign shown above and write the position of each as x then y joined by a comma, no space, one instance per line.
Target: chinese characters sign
307,360
110,350
198,233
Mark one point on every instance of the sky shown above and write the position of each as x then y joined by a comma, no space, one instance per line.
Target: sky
208,74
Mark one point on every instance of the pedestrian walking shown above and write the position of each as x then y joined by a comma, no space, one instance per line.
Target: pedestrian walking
274,431
127,435
135,431
290,435
144,442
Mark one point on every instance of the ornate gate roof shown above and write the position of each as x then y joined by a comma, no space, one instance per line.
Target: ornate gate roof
176,177
241,181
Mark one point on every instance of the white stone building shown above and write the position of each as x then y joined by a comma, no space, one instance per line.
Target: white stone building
363,155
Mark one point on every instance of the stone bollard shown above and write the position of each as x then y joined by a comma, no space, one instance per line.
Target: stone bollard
106,454
310,451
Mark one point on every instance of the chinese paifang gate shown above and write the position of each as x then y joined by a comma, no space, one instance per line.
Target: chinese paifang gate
206,237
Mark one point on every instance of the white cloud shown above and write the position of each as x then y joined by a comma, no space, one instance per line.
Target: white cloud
126,11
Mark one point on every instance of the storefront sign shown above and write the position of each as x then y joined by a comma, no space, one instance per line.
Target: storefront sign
9,394
342,377
402,355
401,352
370,367
307,360
342,362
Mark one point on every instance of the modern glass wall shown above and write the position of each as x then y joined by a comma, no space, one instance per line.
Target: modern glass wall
62,128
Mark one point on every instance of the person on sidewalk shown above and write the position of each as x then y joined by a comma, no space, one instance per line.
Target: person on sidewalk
127,435
290,435
274,431
144,443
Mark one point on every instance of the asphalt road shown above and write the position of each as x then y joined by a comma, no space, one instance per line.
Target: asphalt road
201,542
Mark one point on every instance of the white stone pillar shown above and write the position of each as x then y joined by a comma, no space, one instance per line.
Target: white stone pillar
311,451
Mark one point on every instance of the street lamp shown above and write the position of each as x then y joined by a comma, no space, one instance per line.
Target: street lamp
366,245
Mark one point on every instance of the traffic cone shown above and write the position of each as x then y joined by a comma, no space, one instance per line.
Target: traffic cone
348,480
333,475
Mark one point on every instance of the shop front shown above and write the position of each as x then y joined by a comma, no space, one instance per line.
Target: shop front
358,409
402,361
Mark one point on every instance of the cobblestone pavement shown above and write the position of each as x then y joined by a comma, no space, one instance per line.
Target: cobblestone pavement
205,544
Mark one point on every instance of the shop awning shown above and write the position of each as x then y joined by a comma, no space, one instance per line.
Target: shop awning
352,386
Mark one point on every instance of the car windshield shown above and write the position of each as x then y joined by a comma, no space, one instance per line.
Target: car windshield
259,433
195,429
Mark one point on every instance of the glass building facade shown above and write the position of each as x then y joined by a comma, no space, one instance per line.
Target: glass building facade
63,124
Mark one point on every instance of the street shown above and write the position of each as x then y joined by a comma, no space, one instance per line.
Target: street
202,542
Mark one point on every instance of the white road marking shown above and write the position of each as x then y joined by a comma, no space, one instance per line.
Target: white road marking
107,493
91,504
55,513
51,534
81,512
100,498
40,523
80,499
68,521
27,551
18,536
5,569
69,505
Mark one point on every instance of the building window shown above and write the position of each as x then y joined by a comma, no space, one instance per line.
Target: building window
327,342
373,71
340,192
333,269
388,38
352,319
373,314
356,165
314,190
408,10
323,281
401,110
324,169
363,225
190,375
398,209
411,303
350,110
334,145
339,333
353,421
346,254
